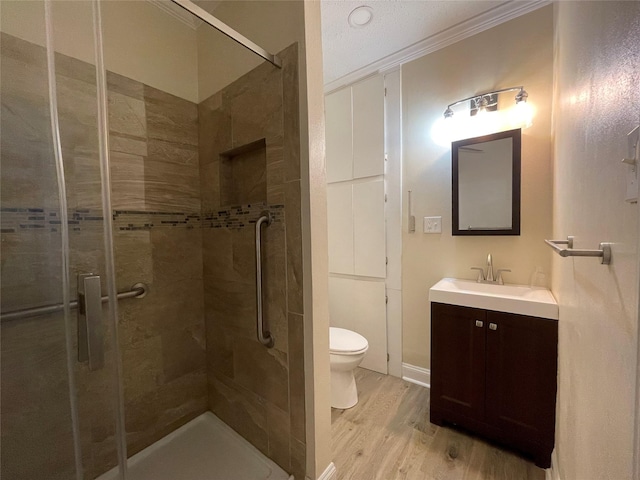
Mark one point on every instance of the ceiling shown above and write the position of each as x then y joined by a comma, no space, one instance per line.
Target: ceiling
396,25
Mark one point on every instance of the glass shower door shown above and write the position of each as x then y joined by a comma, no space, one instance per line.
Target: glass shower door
61,415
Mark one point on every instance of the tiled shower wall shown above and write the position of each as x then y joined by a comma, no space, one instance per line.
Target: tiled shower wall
250,161
196,256
157,240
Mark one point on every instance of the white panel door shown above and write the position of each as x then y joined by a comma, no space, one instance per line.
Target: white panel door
339,141
368,229
359,305
368,127
340,228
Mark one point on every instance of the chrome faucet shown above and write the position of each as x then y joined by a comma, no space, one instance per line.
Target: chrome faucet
489,277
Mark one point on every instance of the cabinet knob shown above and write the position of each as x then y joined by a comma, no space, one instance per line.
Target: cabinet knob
493,326
479,323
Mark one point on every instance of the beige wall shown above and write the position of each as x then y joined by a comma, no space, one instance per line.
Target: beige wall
518,52
140,41
315,246
596,105
273,25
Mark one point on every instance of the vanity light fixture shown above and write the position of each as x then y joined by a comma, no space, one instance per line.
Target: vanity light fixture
487,101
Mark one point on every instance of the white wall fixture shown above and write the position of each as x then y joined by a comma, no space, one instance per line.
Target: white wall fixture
355,159
368,229
339,136
340,228
359,305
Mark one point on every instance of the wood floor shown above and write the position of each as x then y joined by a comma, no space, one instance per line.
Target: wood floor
387,436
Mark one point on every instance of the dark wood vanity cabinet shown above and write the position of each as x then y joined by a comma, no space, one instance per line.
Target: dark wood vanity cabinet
495,374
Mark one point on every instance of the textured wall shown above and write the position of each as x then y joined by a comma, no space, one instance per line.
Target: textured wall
257,391
156,200
596,104
518,52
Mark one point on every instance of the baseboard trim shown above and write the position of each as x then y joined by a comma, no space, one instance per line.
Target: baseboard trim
418,375
553,473
329,473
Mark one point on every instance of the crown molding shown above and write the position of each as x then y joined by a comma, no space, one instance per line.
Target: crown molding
489,19
177,12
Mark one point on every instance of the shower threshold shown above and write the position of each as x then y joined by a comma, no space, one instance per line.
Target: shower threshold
203,449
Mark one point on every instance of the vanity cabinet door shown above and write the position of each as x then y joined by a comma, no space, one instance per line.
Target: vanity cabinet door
521,378
457,363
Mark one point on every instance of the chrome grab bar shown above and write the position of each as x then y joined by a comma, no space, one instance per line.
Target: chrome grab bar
138,290
264,337
604,250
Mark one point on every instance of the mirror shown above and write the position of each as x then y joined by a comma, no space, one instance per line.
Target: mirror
486,184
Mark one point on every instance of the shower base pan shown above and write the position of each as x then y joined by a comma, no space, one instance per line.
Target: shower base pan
203,449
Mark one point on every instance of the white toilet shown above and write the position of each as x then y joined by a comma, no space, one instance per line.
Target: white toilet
346,350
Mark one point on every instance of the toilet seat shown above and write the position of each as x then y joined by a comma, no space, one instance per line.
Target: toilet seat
346,342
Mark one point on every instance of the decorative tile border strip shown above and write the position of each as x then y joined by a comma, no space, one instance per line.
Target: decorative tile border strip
143,220
241,216
16,220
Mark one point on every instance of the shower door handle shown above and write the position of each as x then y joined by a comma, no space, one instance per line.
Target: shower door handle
90,336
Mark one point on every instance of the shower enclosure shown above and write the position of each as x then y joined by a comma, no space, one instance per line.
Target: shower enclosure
141,151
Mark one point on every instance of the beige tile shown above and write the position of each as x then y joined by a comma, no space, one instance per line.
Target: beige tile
123,144
255,104
31,269
127,181
278,432
261,370
125,86
73,68
171,187
185,156
298,459
291,126
219,350
232,304
183,351
182,399
296,377
294,247
244,177
142,367
35,400
214,133
170,118
12,47
275,172
127,115
274,284
210,187
177,255
241,410
133,258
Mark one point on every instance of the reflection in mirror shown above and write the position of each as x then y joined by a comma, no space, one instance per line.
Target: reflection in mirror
486,185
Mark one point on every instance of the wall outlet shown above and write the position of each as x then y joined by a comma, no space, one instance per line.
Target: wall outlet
432,224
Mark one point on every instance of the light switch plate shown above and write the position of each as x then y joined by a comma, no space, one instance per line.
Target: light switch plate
432,224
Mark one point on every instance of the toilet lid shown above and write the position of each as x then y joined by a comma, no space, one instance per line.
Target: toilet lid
346,341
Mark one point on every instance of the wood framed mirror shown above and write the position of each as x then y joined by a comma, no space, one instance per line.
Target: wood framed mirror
486,184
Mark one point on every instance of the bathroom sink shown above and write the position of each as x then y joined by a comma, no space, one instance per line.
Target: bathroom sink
520,299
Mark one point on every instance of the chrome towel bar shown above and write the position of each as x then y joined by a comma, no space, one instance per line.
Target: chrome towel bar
138,290
603,252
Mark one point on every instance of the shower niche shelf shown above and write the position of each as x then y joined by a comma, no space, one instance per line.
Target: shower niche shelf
243,174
